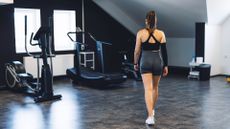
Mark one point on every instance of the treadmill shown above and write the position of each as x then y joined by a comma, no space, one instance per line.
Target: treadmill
88,76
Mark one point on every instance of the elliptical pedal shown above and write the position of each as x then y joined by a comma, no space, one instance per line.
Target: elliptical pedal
47,98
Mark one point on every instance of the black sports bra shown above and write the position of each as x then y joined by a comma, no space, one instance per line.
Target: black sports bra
151,46
157,46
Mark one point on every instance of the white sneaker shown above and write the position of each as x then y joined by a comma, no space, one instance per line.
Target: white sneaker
150,121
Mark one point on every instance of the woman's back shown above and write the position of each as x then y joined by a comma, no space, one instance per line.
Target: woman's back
151,41
158,34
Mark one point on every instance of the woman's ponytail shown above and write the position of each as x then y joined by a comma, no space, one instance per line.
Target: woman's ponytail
151,20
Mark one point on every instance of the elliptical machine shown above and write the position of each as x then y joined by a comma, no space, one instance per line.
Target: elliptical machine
18,79
128,67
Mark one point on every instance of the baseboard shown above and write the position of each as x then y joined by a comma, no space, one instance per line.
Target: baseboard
178,70
59,77
219,75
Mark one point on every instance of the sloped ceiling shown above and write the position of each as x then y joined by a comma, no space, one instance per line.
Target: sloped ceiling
176,17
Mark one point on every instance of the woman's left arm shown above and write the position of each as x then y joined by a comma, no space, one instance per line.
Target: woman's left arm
164,54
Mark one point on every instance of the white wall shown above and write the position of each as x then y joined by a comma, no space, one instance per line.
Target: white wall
212,48
218,11
180,51
2,2
217,42
225,47
217,47
60,64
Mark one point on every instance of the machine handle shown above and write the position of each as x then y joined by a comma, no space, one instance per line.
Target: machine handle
25,24
91,36
69,33
101,42
31,38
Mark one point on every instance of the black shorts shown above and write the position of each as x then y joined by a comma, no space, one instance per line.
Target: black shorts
151,62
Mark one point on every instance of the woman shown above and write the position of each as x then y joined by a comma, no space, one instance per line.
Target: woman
152,43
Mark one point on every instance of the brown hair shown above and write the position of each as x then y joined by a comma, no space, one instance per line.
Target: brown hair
151,19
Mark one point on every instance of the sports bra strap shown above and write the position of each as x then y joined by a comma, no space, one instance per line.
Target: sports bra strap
151,35
148,38
154,38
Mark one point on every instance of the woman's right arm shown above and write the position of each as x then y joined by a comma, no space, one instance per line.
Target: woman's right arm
164,54
137,50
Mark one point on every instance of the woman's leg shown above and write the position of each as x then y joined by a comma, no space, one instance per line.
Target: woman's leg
156,80
148,87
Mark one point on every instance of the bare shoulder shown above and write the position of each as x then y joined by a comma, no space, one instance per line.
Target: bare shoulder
161,32
161,35
141,32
